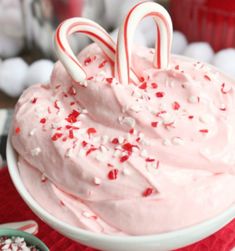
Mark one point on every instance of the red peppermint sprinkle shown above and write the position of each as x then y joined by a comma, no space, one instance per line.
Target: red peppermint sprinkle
17,130
58,86
159,113
72,103
154,124
115,141
141,79
65,95
223,89
149,160
207,77
109,165
190,116
112,174
84,143
71,136
72,91
154,85
64,139
160,94
127,147
131,131
148,191
34,100
56,136
49,110
90,78
90,150
177,67
103,64
87,61
43,121
56,105
72,118
203,130
143,86
124,158
91,130
109,80
72,127
176,106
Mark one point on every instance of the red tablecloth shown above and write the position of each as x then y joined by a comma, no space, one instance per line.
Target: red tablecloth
13,208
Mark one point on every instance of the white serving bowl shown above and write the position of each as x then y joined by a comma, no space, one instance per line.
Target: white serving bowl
157,242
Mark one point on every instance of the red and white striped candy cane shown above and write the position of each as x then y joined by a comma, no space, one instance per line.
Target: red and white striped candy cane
93,31
126,33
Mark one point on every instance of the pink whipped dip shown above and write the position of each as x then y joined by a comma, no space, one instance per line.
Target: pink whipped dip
136,159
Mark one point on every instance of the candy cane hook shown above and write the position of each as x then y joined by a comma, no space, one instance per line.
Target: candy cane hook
126,33
64,51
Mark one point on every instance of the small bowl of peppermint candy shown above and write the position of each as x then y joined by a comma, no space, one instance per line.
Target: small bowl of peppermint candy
12,240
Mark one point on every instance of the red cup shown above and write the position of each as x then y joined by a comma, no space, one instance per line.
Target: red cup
212,21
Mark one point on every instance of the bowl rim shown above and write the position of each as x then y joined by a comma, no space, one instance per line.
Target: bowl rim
29,238
47,217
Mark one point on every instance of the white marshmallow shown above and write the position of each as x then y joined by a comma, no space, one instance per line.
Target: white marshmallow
224,60
179,42
201,51
12,76
39,72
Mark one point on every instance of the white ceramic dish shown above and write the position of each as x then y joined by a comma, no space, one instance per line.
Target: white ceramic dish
158,242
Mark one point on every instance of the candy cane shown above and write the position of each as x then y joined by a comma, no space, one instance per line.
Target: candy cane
64,51
29,226
126,33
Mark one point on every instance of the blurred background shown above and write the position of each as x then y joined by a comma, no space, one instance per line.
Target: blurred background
203,29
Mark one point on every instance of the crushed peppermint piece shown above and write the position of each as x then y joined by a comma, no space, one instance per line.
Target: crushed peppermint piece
160,94
43,120
203,130
154,124
87,61
131,131
113,174
148,191
71,135
32,132
126,171
109,80
102,64
105,139
225,88
17,130
175,106
56,136
190,116
124,158
72,118
36,151
97,181
143,86
34,100
90,150
149,159
177,67
154,85
207,77
120,139
91,130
